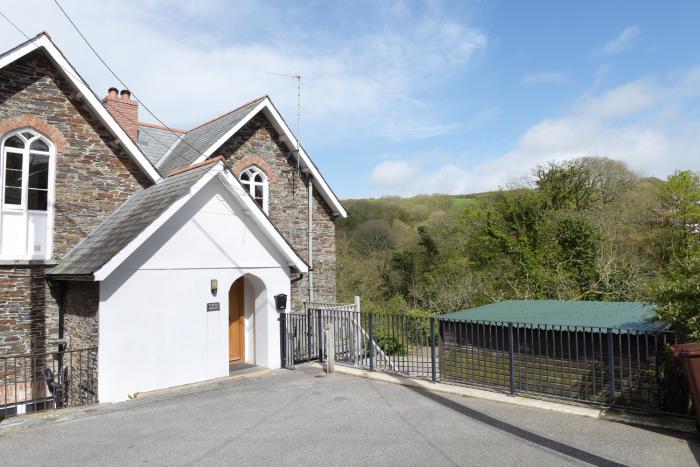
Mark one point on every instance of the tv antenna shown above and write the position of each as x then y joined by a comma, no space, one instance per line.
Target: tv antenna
298,135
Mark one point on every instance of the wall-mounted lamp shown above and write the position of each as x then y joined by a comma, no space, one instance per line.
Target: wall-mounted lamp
214,286
281,302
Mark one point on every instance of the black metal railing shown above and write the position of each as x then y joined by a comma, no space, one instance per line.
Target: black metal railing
43,381
601,366
385,342
592,365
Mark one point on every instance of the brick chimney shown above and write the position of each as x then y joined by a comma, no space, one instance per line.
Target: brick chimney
124,110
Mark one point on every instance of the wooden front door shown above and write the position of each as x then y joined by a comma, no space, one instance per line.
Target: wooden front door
236,317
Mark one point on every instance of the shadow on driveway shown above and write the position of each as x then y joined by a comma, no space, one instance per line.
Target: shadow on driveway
518,432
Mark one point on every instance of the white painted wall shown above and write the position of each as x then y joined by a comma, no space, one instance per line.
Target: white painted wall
154,330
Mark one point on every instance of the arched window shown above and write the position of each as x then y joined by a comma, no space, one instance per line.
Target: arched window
255,182
27,185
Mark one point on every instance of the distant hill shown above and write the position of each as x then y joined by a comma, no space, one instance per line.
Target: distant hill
412,211
444,252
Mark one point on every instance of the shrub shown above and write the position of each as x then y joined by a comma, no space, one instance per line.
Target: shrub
391,345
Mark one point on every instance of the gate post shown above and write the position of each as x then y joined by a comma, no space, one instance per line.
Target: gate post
319,325
330,348
308,333
432,349
348,317
371,343
283,339
357,331
511,359
611,368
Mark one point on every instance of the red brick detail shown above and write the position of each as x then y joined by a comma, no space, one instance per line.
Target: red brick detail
32,121
247,161
125,112
194,166
161,127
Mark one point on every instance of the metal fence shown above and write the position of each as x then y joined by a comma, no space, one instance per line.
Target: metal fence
44,381
624,368
607,367
393,343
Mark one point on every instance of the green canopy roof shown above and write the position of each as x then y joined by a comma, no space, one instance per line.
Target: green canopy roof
634,316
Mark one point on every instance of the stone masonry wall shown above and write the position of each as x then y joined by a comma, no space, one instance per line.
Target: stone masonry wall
93,178
81,301
257,143
28,311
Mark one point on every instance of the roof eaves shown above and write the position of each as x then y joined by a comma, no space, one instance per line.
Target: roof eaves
341,211
68,266
107,267
43,40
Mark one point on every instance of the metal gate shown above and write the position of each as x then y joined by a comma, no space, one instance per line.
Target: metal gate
43,381
302,333
360,339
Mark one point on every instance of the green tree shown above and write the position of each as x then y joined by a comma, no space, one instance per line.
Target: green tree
678,297
579,241
584,182
519,235
679,209
374,235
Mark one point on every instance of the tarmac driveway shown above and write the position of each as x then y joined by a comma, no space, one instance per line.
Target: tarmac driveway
302,417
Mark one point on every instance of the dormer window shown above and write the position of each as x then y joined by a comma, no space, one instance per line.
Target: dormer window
255,182
26,216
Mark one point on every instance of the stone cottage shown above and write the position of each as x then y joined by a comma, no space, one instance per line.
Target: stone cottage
168,251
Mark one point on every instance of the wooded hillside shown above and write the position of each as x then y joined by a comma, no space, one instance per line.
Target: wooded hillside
587,229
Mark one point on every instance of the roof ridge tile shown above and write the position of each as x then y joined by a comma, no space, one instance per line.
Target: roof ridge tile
194,166
161,127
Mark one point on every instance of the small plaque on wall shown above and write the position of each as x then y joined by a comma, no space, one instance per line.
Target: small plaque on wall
213,306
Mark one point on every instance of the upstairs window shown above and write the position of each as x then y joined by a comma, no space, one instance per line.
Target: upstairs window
26,216
255,183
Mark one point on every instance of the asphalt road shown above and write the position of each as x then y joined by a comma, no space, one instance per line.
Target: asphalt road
303,418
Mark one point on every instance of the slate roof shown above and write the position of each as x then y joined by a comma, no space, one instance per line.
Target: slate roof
188,146
195,142
633,316
155,142
126,223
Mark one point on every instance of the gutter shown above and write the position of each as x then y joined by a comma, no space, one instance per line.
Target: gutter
310,238
300,276
71,277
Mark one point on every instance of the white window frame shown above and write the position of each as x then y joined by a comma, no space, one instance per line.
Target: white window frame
250,185
23,206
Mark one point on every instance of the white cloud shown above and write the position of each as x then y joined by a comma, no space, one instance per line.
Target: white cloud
410,129
546,77
650,124
619,43
189,61
626,99
399,129
395,175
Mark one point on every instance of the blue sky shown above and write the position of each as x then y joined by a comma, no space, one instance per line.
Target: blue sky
402,98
